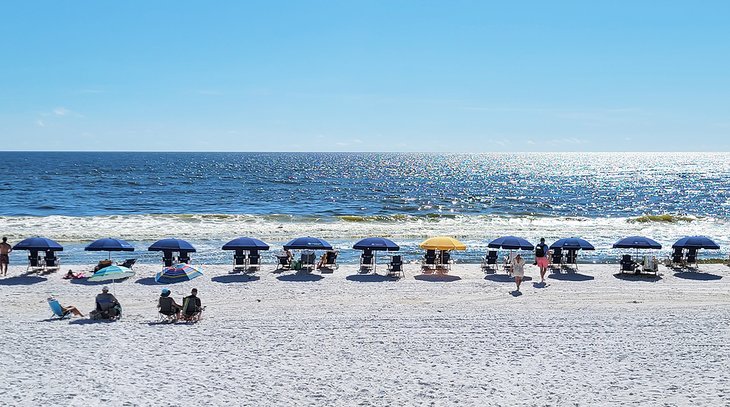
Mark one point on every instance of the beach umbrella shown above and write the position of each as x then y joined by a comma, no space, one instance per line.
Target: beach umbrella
38,244
112,273
171,245
511,243
177,274
696,242
636,242
308,242
376,243
572,243
245,243
442,243
110,245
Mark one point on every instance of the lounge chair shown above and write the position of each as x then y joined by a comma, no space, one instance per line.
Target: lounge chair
571,257
445,261
395,267
429,260
184,258
254,260
330,260
691,257
34,262
489,261
52,262
128,263
57,309
101,264
284,262
627,264
649,265
167,259
507,265
556,258
239,262
677,259
308,260
366,262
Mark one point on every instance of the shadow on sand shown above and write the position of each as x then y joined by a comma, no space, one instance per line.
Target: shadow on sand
515,293
570,276
299,277
368,278
88,321
504,278
84,281
437,278
649,278
695,275
147,281
22,280
235,278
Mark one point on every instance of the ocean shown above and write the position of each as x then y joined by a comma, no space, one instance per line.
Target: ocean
210,198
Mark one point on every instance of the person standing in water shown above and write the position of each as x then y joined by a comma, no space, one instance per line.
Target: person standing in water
5,250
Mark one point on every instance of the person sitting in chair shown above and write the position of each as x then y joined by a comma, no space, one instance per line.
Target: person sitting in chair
107,306
192,307
167,305
65,309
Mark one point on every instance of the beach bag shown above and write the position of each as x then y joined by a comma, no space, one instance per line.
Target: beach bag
540,250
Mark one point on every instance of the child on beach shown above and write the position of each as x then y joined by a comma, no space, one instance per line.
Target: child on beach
518,270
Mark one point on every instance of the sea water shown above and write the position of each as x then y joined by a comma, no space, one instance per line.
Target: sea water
210,198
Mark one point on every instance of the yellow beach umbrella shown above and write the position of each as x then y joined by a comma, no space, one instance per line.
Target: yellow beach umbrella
442,243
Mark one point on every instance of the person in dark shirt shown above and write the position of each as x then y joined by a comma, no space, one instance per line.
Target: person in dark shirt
167,305
192,307
541,252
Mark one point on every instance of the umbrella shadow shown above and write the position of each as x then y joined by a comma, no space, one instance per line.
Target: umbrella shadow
88,321
368,278
570,276
504,278
437,278
85,281
235,278
147,281
694,275
300,277
22,280
649,278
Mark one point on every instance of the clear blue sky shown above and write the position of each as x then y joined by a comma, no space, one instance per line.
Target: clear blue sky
474,76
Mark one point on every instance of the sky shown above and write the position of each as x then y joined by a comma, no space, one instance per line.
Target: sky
396,75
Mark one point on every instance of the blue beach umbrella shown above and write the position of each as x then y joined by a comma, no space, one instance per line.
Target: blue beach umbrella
636,242
171,245
572,243
376,243
112,273
308,242
696,242
110,245
245,243
177,274
511,243
38,244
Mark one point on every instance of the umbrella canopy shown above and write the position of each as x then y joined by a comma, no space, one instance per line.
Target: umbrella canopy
171,245
511,243
245,243
636,242
308,242
572,243
376,243
112,273
38,243
442,243
696,242
177,274
109,244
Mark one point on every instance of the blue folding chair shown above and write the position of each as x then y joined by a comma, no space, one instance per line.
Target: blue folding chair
57,309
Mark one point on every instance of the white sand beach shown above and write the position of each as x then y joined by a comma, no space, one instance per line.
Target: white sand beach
347,339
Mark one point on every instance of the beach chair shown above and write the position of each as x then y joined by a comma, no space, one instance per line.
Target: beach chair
167,259
107,310
34,263
649,265
556,258
128,263
489,261
190,312
571,257
677,258
57,309
395,267
691,257
507,264
284,262
239,261
628,264
330,260
429,260
101,264
307,260
254,260
444,261
366,262
52,263
184,258
167,311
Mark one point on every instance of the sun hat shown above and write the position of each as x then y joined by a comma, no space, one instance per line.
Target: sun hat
165,291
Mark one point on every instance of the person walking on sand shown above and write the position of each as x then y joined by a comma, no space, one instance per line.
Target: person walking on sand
5,250
518,270
541,252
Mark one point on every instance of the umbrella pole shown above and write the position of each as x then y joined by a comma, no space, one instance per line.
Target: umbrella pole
375,262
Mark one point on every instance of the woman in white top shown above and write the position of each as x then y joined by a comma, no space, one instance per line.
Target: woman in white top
518,270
